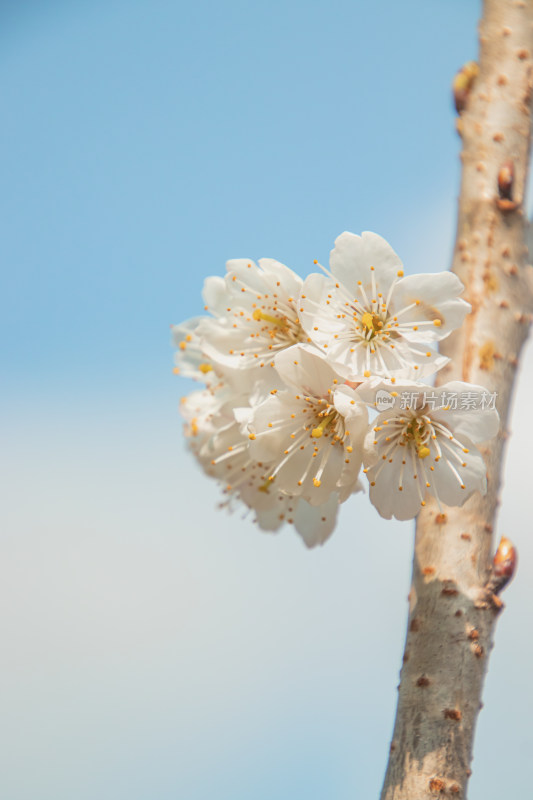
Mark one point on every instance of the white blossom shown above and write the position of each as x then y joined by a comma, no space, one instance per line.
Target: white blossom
371,320
254,314
222,448
225,382
425,449
311,433
289,369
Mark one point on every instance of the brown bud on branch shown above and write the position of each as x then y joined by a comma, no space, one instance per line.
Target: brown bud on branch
462,84
503,566
506,180
505,201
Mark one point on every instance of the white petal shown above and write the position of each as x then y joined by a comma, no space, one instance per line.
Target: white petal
269,520
349,482
245,272
215,295
356,423
352,257
475,423
472,477
348,402
280,275
303,464
386,495
271,505
406,361
368,392
314,301
305,369
271,424
315,524
438,299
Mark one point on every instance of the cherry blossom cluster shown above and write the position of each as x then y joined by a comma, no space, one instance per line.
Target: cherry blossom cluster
294,372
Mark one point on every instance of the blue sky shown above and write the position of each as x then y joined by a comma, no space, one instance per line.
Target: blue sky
153,646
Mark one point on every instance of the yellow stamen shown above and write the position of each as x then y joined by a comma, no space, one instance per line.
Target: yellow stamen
423,452
371,322
205,368
260,315
368,320
317,432
266,486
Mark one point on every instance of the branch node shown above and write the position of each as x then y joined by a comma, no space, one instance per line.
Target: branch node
453,713
449,590
437,785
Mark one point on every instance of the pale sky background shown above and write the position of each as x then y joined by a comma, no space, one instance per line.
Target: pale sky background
153,647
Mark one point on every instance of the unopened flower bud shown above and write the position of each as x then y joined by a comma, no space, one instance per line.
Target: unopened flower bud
503,565
506,180
462,84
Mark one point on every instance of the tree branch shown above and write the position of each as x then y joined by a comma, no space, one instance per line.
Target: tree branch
452,609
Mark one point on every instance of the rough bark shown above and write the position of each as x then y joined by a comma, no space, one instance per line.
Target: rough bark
452,615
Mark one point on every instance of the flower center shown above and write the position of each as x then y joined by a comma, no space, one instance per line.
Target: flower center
316,433
418,433
279,331
371,323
